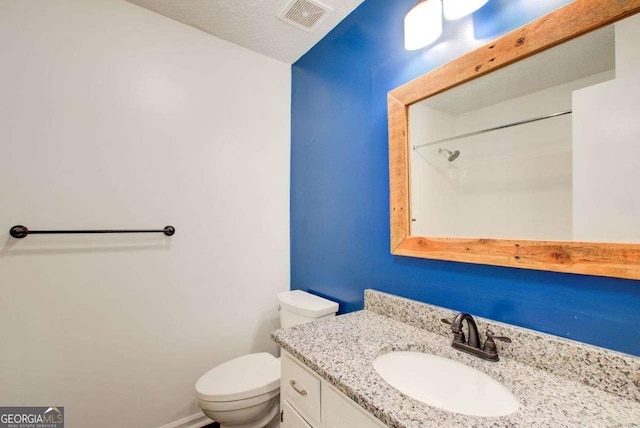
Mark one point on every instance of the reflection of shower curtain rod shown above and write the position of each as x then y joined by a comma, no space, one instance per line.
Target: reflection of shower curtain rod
508,125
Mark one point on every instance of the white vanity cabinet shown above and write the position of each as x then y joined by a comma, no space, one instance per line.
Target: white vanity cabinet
307,401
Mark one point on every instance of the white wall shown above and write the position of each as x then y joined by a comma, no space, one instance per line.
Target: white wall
607,155
115,117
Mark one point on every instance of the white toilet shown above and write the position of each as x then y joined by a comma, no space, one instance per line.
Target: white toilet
245,392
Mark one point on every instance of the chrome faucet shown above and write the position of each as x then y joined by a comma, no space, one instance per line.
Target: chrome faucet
471,345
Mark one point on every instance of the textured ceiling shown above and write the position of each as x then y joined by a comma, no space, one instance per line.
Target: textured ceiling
252,23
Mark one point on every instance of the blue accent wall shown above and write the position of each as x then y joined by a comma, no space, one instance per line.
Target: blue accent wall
340,188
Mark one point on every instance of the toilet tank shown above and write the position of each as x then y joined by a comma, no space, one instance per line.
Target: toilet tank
299,307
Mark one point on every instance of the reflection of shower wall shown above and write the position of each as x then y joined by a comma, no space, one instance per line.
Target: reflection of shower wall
522,187
606,127
512,184
521,198
434,200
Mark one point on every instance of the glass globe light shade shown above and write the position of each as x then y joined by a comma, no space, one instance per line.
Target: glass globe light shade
423,24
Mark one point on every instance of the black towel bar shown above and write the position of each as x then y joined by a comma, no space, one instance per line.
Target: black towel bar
20,231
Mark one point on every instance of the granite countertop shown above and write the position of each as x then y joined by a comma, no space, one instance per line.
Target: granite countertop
341,351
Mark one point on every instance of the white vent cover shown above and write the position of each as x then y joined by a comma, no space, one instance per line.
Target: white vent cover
305,14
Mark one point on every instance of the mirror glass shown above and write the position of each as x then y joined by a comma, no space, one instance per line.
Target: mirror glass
547,148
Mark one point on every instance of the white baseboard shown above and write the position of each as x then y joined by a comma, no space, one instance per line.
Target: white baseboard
194,421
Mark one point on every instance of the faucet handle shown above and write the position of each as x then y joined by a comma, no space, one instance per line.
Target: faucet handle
490,344
491,335
458,335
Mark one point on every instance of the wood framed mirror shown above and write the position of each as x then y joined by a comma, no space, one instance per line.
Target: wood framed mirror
613,258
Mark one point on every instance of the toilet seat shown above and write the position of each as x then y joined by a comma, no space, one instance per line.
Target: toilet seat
227,406
246,377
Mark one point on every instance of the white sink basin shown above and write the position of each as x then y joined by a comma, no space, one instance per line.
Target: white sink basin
446,384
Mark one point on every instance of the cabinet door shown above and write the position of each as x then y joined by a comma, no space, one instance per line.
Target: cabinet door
301,388
291,418
339,411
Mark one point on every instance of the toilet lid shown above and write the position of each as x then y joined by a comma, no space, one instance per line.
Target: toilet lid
243,377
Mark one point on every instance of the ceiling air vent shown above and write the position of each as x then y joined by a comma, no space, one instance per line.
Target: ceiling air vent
305,14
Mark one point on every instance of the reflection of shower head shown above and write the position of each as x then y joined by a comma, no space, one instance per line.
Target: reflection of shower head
451,155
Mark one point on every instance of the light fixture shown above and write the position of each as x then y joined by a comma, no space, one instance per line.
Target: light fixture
456,9
423,24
